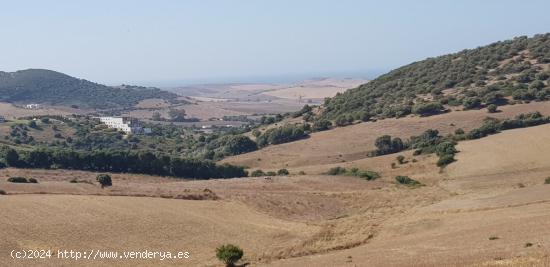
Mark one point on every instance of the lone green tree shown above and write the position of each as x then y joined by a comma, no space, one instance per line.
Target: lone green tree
229,254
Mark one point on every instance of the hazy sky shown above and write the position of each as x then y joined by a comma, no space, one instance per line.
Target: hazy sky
168,42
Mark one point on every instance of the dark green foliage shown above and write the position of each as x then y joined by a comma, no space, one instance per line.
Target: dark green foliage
446,148
343,120
283,172
237,144
445,160
50,87
471,102
177,115
17,180
492,108
229,254
104,180
271,173
467,71
33,181
386,145
33,124
283,134
405,180
427,109
305,110
321,125
367,175
337,171
124,161
401,159
547,180
257,173
459,131
492,126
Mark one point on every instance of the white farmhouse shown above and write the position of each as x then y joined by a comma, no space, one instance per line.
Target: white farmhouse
32,106
124,124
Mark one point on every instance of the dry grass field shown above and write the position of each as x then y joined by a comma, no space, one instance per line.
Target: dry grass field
354,142
10,111
468,214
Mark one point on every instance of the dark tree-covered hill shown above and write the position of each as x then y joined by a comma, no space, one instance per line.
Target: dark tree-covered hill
54,88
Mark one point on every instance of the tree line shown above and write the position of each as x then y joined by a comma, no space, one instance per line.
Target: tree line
118,161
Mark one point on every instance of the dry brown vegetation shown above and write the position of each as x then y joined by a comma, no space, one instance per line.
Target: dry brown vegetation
495,189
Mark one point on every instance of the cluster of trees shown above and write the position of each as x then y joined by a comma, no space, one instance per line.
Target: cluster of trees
428,142
259,173
403,91
492,125
119,161
431,142
367,175
283,134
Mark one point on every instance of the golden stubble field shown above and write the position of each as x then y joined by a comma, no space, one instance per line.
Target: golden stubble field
490,208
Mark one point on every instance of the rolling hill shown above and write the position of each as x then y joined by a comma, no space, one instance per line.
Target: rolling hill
504,72
54,88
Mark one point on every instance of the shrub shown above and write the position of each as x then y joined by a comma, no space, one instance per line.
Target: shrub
2,192
229,254
321,125
427,109
445,160
492,108
104,180
336,171
33,181
369,175
283,172
445,148
547,180
459,131
407,181
257,173
302,173
471,102
386,145
271,173
401,159
18,180
493,237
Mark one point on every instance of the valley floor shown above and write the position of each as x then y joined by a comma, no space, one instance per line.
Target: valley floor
490,208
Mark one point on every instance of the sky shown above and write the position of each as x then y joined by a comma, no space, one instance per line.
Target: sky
170,43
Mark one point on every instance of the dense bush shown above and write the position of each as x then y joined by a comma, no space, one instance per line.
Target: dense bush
104,180
2,192
427,109
17,180
492,108
229,254
238,144
321,125
336,171
257,173
283,134
368,175
445,160
33,181
386,145
407,181
401,159
283,172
